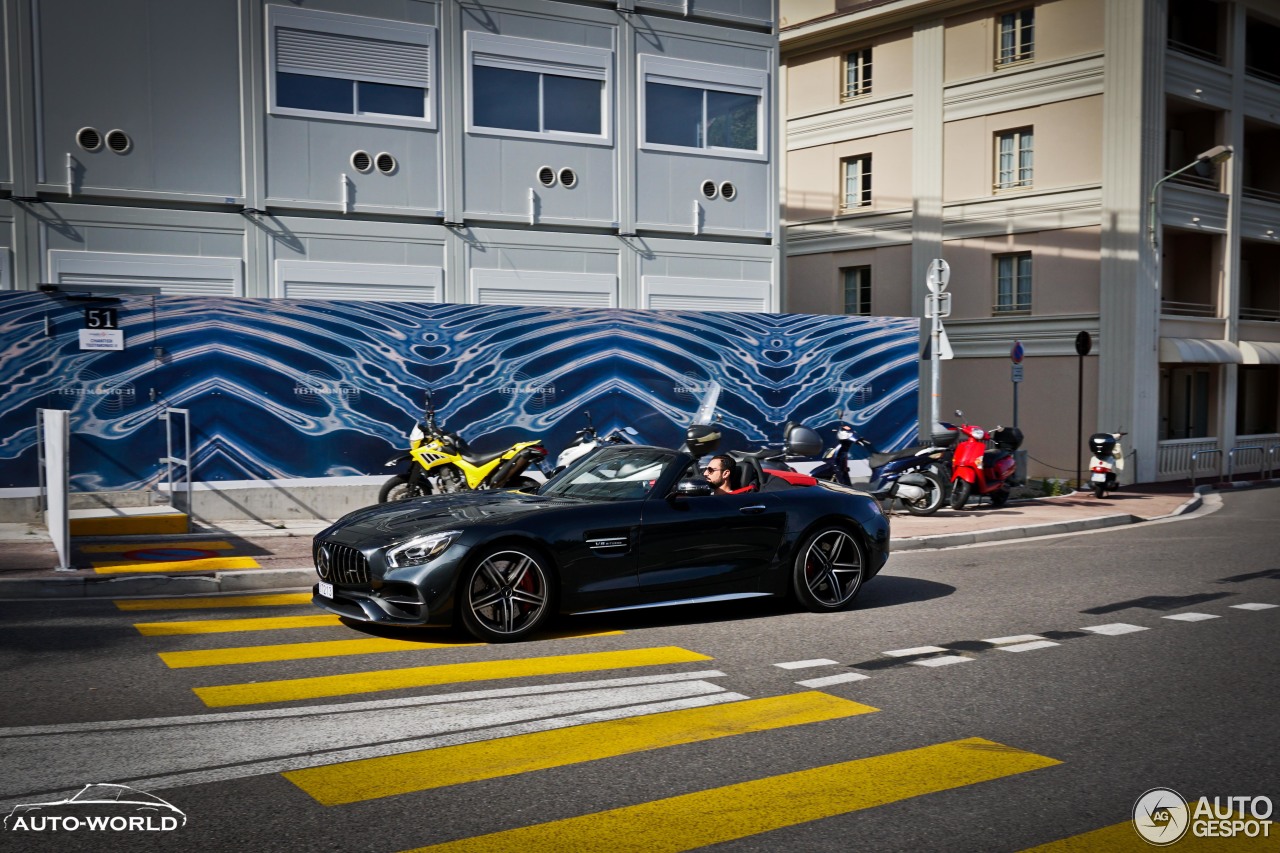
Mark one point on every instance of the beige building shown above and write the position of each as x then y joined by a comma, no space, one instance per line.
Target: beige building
1022,143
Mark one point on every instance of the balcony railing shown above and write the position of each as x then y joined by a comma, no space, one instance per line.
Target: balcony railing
1261,194
1197,52
1271,315
1192,180
1174,460
1262,74
1187,309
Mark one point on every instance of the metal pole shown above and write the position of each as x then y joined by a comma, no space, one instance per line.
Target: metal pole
1079,418
936,364
1015,404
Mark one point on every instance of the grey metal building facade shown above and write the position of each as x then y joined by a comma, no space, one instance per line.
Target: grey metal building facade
519,152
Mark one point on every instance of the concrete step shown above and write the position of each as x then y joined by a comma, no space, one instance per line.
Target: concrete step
128,521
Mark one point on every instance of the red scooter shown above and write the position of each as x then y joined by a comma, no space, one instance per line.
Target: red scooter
975,470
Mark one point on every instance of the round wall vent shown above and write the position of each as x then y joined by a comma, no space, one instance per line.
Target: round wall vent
547,176
88,139
709,189
386,163
119,141
361,161
728,191
568,178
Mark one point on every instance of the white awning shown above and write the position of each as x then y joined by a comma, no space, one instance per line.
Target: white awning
1199,351
1260,352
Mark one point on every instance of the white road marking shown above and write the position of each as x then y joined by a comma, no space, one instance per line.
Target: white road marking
920,650
1028,647
942,661
1020,638
1114,629
806,664
1254,606
1191,617
833,679
226,751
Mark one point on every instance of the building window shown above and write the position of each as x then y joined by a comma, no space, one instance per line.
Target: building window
1014,159
351,68
857,182
1013,283
857,291
691,106
534,89
857,74
1017,39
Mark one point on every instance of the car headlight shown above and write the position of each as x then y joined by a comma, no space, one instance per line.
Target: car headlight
420,549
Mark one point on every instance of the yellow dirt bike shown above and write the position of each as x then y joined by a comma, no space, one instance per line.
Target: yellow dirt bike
442,462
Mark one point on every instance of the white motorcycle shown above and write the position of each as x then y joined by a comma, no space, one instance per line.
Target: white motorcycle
1107,459
586,440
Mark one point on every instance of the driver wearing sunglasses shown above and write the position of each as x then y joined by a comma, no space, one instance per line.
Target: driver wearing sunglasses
718,472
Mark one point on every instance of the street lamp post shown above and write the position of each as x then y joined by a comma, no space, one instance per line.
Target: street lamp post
1215,155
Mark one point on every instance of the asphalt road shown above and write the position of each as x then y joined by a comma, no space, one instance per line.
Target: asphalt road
1037,716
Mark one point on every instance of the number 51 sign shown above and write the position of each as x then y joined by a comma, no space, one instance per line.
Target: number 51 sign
101,329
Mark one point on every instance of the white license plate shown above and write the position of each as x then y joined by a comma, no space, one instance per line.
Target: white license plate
1099,478
326,589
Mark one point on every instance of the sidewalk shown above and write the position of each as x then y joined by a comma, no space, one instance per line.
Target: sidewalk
248,556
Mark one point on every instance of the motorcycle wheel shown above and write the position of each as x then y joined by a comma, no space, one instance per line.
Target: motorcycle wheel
523,484
398,488
960,493
934,494
1000,498
1099,490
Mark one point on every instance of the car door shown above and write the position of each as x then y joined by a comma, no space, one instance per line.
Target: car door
597,552
708,545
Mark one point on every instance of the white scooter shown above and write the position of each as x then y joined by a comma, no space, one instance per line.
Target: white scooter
1108,458
586,440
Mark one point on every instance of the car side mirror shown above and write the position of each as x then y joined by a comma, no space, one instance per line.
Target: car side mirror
692,489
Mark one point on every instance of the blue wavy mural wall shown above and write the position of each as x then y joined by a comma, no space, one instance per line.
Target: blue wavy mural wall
284,389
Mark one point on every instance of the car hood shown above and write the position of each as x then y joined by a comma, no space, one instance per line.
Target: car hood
443,512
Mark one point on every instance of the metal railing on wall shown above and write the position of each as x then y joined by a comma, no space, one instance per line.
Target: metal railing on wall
1196,456
184,461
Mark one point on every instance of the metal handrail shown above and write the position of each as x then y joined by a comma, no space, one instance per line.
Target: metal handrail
1196,455
1231,457
170,460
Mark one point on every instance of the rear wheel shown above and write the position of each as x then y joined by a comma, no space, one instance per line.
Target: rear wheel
934,492
400,488
1000,498
506,594
523,484
829,570
1099,490
960,490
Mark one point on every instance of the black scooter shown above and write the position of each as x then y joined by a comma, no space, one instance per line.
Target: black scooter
915,476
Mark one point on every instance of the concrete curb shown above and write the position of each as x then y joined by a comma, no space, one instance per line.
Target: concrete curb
955,540
155,585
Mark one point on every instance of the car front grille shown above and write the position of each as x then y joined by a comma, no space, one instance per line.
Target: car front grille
346,565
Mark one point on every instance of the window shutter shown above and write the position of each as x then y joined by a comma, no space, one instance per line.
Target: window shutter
351,57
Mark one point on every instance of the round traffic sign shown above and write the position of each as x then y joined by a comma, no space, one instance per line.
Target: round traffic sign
1016,353
1084,343
938,276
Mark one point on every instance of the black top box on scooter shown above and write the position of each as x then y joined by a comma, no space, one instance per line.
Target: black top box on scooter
946,438
1102,444
1007,438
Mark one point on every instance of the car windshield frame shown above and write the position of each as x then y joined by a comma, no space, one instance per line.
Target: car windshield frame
590,479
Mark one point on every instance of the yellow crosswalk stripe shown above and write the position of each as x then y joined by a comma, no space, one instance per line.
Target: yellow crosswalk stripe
1123,838
714,816
211,602
125,547
204,564
424,676
227,626
368,779
323,649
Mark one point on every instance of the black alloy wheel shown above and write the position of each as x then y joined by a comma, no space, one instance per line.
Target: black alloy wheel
934,493
829,570
506,594
960,490
400,488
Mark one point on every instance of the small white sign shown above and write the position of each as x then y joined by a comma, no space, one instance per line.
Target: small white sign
102,339
1017,372
938,275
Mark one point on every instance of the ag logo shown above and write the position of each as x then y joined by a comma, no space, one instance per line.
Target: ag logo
1160,816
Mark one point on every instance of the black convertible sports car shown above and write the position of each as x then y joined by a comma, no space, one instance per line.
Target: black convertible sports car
624,528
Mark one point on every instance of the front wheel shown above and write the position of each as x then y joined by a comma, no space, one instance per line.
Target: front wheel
400,488
506,594
934,493
960,490
829,570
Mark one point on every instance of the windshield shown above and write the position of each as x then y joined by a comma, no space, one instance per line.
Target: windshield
613,474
